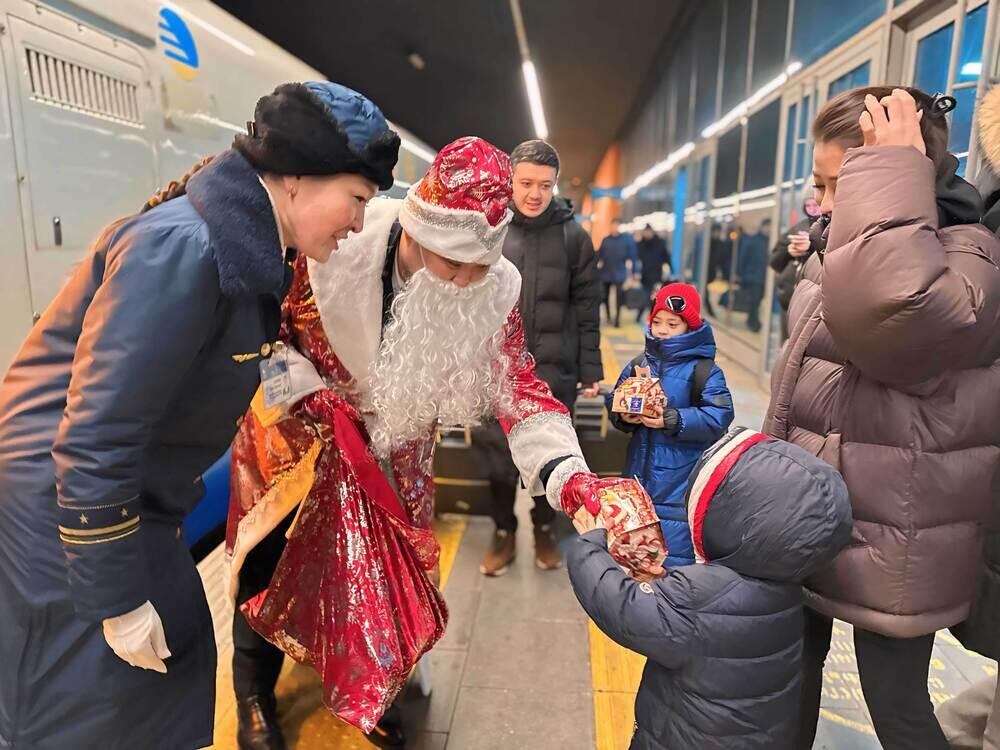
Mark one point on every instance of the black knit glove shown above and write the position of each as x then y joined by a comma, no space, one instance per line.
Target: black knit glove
671,421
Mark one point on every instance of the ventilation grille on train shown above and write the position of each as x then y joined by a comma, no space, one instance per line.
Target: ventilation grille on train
57,81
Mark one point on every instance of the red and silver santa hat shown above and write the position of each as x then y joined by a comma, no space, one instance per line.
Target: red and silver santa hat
459,209
708,476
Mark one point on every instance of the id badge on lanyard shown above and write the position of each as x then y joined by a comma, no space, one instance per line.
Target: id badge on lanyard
275,379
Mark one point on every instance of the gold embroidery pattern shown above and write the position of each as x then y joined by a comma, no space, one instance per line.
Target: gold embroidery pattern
245,357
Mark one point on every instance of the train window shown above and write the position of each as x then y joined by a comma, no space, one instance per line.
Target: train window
65,83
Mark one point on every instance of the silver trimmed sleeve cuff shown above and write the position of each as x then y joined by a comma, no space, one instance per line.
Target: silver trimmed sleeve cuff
539,439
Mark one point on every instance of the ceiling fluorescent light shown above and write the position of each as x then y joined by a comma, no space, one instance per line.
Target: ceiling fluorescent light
535,99
657,170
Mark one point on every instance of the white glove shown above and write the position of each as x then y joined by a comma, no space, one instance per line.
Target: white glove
305,379
137,638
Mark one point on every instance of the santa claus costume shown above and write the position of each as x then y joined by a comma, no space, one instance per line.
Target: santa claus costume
329,536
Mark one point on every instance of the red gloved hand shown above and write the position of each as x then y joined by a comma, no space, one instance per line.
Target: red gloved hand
582,490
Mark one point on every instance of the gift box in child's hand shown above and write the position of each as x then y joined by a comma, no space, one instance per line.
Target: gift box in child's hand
635,539
642,396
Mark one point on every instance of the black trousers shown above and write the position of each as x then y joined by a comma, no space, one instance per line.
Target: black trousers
607,286
893,674
502,507
256,661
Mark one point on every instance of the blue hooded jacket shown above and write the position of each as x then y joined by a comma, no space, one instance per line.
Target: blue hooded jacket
660,461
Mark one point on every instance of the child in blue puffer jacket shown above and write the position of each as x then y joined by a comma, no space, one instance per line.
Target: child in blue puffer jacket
680,351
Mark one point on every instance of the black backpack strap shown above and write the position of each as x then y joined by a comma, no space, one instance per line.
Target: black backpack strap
702,371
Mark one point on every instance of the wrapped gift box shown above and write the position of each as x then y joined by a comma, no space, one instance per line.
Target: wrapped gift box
640,395
635,539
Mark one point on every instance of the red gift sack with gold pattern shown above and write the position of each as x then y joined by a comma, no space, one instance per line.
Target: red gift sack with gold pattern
350,595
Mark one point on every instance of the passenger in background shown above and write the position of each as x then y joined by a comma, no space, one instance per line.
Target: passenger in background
720,261
971,720
560,305
751,269
724,637
616,256
789,255
129,387
680,351
894,378
653,257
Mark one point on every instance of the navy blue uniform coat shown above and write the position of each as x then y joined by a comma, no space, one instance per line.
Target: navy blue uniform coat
126,390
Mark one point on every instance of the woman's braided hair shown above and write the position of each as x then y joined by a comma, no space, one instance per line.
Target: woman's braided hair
175,189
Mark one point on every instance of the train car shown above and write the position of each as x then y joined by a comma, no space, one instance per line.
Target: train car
101,102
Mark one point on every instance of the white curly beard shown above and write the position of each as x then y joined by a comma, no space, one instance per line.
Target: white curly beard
441,360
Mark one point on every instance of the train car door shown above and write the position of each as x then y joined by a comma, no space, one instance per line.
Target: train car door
15,301
81,106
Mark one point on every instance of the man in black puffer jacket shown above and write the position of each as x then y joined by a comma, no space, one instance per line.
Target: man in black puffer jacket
560,306
724,637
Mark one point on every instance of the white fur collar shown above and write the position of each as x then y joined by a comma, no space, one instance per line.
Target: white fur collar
348,290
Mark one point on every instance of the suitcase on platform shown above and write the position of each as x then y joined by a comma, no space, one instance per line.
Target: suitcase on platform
464,457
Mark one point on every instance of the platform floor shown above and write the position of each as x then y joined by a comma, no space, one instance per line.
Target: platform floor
521,667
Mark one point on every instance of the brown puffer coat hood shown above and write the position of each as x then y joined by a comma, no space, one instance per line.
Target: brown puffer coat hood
892,374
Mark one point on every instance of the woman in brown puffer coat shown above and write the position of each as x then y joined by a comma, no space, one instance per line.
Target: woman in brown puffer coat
892,374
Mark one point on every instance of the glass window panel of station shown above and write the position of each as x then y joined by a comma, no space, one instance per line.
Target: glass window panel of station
851,80
722,243
700,230
933,56
762,147
707,34
746,300
788,166
819,26
803,143
727,169
770,35
734,88
970,68
682,84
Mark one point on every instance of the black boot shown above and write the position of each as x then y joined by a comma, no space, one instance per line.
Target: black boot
258,727
389,732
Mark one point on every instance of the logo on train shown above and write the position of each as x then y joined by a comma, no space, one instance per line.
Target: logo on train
179,43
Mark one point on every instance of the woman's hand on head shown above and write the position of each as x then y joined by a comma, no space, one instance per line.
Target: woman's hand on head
893,121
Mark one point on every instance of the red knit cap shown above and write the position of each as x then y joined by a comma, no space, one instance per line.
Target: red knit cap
690,302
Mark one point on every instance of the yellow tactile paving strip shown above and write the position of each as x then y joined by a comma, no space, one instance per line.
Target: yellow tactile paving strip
307,724
615,671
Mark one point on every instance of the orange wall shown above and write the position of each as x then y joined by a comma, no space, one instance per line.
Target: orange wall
609,174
